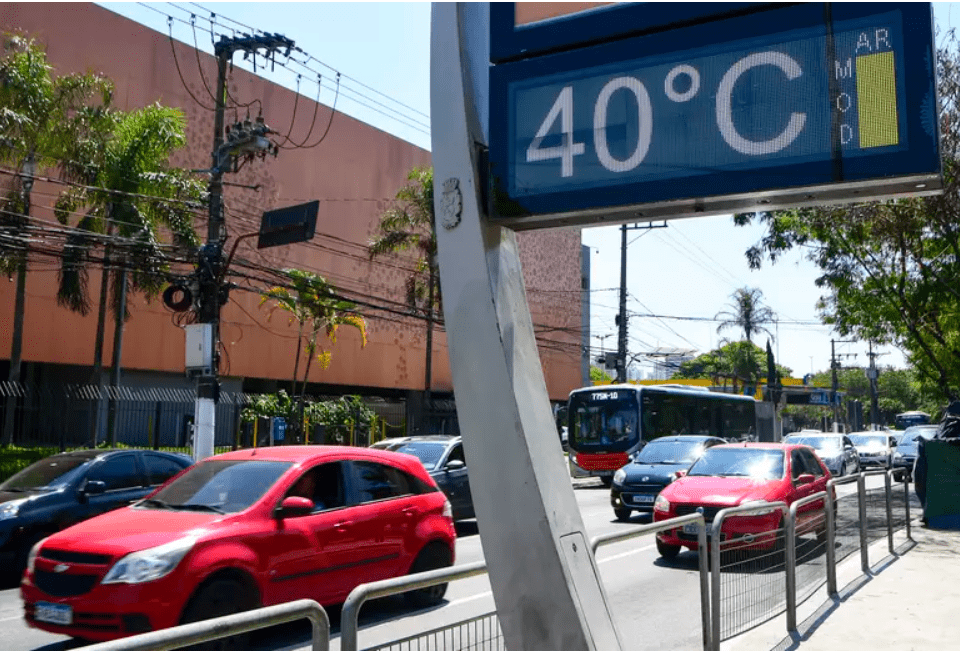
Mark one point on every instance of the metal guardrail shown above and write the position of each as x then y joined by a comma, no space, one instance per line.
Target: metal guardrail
221,627
663,525
349,616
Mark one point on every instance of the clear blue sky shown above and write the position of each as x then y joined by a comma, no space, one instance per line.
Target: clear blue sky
689,269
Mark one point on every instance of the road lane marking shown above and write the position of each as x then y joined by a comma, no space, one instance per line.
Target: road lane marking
489,593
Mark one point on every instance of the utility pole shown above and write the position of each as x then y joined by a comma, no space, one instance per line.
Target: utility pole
248,139
622,316
834,365
872,375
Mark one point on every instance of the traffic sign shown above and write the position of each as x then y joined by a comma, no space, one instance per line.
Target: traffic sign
797,105
288,225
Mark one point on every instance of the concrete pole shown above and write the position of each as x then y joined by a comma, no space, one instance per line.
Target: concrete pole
545,580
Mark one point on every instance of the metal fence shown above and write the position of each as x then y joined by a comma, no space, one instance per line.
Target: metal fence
756,577
74,415
475,634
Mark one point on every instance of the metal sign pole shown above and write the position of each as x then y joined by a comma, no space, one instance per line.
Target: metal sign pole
544,577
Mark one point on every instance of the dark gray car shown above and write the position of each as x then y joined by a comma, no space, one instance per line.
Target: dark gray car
906,453
443,458
837,451
635,486
60,491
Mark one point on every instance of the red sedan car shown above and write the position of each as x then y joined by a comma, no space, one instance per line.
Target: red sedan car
241,530
736,475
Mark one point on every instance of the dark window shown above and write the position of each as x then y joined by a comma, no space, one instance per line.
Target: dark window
51,473
380,482
813,466
323,485
117,473
160,469
457,454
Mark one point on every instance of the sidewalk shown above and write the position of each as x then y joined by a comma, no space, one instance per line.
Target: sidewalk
912,602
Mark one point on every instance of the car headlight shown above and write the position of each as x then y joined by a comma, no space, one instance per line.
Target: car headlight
149,564
661,504
11,509
759,511
32,556
619,476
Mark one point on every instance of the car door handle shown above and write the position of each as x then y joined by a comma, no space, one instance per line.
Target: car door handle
342,526
409,511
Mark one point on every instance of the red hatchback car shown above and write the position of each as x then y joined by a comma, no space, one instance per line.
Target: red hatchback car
241,530
739,474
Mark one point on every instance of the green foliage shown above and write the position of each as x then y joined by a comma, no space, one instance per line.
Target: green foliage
889,269
740,363
338,417
597,374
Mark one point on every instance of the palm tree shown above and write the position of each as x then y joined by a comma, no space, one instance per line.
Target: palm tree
313,303
130,192
408,224
40,117
746,312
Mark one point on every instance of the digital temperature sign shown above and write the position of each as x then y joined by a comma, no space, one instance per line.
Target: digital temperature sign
796,105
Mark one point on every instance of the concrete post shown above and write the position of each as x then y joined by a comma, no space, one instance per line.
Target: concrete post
545,579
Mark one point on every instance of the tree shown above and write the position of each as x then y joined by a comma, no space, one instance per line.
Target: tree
313,304
40,117
889,269
597,374
746,312
741,363
130,193
410,224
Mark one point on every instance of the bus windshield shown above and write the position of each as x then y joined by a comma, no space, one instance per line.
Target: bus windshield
604,420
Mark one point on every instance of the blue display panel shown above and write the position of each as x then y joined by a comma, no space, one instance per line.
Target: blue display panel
813,97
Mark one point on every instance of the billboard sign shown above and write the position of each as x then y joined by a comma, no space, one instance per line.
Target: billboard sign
796,105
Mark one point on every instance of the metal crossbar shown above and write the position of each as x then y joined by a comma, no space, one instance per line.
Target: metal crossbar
475,634
229,625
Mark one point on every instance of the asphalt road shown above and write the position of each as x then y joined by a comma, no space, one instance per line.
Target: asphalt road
652,600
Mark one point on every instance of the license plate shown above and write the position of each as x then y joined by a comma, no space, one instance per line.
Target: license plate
53,613
644,499
692,529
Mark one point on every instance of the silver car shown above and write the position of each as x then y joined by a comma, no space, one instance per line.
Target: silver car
875,448
837,451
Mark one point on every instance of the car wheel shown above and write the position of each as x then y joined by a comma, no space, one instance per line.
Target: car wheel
606,481
432,557
622,514
666,550
217,598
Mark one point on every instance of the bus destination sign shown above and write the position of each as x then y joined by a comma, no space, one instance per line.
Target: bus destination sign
798,105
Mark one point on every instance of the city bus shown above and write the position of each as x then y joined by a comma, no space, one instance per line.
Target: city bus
607,424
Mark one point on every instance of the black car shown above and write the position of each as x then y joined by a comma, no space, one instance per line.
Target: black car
636,486
443,458
62,490
906,453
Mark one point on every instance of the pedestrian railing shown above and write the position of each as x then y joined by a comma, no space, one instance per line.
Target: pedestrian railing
228,626
746,577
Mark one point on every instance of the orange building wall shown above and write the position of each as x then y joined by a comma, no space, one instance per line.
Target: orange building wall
354,172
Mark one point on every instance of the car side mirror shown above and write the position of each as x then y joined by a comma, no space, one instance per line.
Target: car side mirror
294,506
94,488
805,478
680,473
455,464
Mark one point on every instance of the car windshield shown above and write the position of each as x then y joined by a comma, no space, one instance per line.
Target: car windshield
869,440
756,463
821,443
429,452
47,474
909,438
219,486
670,452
